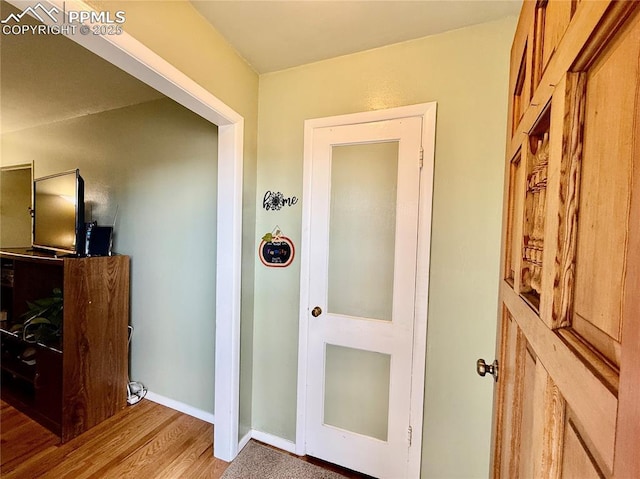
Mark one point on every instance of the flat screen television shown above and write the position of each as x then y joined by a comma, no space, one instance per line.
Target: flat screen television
58,218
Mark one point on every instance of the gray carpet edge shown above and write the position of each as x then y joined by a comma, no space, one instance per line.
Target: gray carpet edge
256,461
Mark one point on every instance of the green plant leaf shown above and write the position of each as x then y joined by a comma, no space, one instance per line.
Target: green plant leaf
35,321
45,302
31,306
44,317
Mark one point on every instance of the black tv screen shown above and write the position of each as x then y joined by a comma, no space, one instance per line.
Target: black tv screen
58,204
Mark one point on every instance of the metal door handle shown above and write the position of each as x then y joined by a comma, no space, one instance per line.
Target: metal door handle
483,368
317,311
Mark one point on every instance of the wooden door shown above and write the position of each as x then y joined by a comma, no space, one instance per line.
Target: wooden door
567,401
364,197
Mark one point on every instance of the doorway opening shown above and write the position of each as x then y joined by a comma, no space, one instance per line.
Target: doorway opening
131,56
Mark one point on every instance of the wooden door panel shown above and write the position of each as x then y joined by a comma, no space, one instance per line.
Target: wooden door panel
628,432
577,462
591,399
528,405
549,426
522,91
517,395
533,234
605,197
552,20
569,384
521,74
536,416
539,380
509,395
514,222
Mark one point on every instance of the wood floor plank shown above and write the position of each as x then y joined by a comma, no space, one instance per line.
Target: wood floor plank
21,438
143,441
182,465
90,441
147,437
10,418
104,451
161,449
204,468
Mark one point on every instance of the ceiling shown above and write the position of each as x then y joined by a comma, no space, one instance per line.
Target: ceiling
274,35
49,78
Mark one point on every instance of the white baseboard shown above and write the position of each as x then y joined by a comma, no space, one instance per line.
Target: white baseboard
274,441
264,437
180,406
245,439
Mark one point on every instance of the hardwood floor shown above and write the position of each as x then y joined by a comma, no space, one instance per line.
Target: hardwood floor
144,441
20,438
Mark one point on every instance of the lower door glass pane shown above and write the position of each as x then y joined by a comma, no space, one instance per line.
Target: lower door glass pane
357,390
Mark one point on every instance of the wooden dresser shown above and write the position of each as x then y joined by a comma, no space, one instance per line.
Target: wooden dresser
75,380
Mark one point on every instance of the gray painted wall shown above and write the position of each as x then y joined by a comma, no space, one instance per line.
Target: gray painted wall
156,162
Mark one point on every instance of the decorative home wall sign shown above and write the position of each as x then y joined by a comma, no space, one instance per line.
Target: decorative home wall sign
275,200
276,250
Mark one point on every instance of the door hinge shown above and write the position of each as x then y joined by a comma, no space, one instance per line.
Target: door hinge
410,435
421,157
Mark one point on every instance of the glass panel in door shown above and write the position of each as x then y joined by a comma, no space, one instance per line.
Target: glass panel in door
357,391
362,230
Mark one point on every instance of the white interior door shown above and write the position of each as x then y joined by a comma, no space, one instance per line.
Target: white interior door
365,188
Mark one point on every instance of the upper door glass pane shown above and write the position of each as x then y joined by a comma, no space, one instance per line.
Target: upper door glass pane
362,229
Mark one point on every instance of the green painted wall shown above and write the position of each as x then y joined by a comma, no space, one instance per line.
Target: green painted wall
179,34
466,72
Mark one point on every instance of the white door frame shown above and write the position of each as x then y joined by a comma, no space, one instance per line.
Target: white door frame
133,57
428,113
